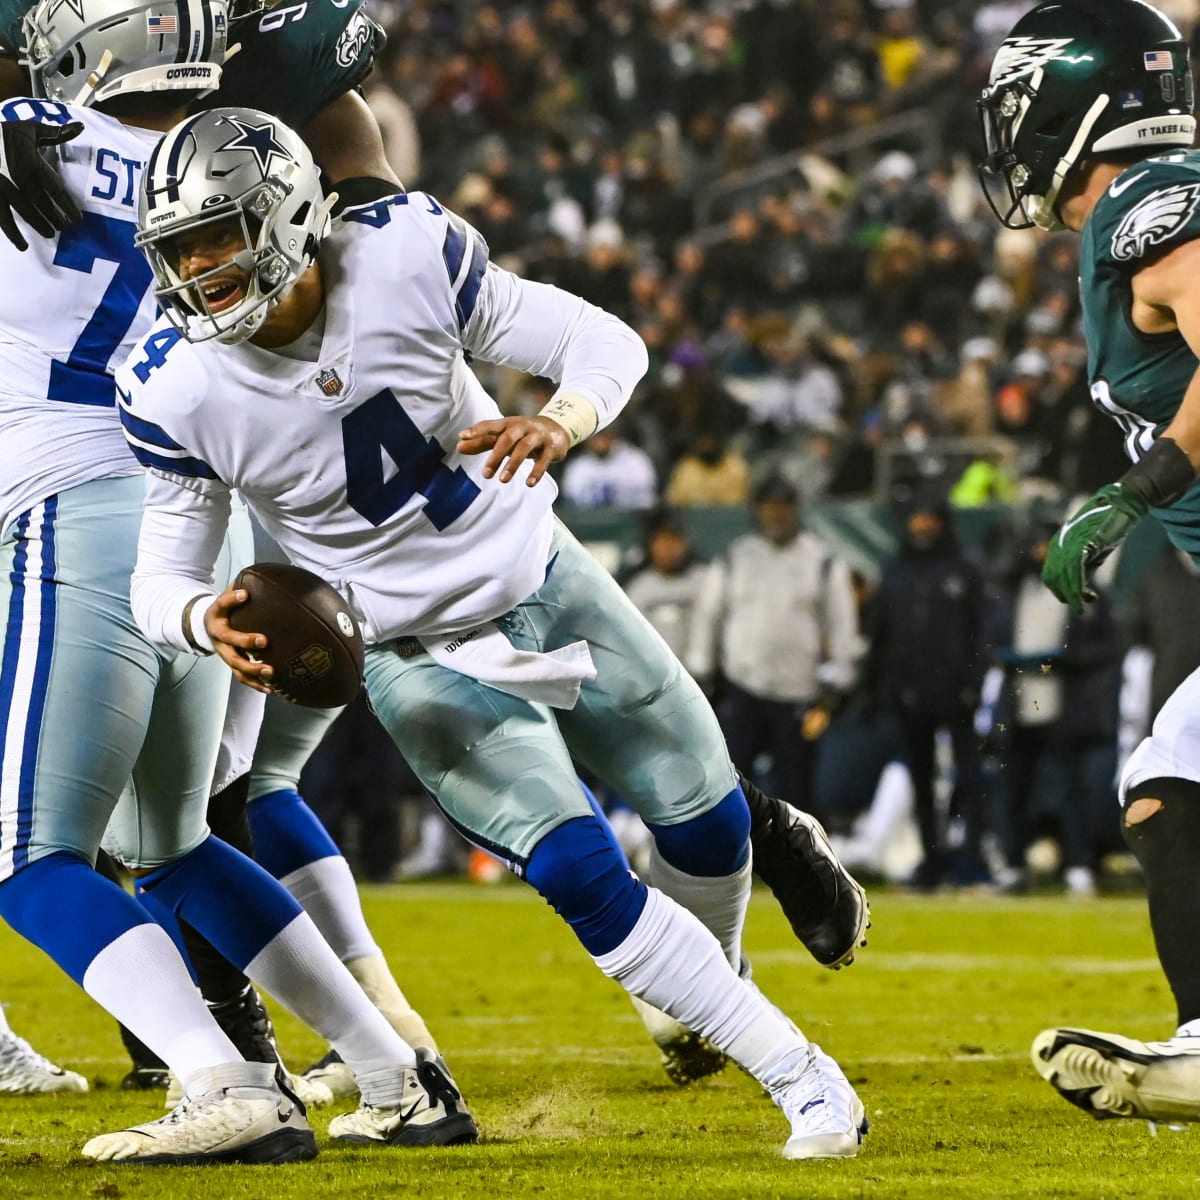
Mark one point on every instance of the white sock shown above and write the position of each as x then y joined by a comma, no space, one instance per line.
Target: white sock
376,979
1189,1029
4,1027
300,970
671,961
140,979
327,892
719,901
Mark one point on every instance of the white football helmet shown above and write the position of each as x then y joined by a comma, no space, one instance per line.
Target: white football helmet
231,164
85,51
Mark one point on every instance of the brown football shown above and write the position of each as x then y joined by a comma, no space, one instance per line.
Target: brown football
313,641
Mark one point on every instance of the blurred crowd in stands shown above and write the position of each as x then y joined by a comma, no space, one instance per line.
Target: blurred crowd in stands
779,195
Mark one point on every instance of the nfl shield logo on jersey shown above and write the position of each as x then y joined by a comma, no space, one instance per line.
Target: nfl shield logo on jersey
330,382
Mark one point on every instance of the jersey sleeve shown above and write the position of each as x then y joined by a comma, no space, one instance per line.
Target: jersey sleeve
297,58
186,510
545,331
533,327
1149,208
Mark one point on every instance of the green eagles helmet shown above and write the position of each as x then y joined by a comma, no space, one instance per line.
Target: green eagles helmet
1077,78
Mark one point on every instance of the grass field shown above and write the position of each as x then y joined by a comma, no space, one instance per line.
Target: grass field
932,1024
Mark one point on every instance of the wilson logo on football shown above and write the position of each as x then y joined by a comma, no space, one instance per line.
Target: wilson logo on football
1154,220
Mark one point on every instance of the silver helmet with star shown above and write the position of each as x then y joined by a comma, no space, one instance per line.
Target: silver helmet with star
239,179
87,51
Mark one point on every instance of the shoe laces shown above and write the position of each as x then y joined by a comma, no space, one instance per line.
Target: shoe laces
812,1096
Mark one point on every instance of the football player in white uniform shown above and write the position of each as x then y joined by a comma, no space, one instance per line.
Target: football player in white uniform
325,375
86,700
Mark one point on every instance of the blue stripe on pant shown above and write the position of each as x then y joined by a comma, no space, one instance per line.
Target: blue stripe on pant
25,673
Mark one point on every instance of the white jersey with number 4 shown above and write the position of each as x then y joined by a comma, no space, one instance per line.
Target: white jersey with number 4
347,454
71,309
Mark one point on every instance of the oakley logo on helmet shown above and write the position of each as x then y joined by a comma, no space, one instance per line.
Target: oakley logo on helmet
259,140
1022,55
1155,220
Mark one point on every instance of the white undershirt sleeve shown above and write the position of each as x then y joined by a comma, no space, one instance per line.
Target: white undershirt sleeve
546,331
181,535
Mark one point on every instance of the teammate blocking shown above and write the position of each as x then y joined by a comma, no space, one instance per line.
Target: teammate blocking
88,701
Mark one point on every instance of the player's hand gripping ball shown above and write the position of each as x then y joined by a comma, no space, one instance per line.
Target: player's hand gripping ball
313,645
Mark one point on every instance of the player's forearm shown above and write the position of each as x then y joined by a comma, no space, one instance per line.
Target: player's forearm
546,331
172,584
169,609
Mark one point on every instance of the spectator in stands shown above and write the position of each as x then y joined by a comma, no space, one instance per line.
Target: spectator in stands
781,381
610,473
1056,723
667,585
925,665
710,474
777,623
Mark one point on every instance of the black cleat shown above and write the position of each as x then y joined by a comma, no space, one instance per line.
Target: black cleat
825,905
1110,1076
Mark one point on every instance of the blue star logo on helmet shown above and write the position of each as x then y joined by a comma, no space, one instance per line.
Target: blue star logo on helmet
259,140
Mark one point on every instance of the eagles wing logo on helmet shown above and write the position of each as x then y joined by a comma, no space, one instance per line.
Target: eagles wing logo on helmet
1154,220
1022,55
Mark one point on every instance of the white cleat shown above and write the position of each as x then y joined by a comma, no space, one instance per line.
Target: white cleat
25,1072
312,1093
686,1056
330,1072
828,1119
1112,1076
431,1112
223,1121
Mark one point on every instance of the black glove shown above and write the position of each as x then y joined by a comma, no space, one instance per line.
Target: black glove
29,184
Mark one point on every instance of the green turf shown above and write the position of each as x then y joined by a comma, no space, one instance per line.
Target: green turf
932,1024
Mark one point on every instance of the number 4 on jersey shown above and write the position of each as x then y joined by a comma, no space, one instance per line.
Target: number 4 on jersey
380,425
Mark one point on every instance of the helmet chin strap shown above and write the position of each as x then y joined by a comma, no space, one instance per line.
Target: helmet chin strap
94,80
1041,209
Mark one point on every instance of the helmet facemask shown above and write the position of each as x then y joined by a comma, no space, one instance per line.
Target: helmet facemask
1021,193
261,238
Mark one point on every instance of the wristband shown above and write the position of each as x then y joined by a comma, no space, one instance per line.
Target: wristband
1161,475
575,413
193,623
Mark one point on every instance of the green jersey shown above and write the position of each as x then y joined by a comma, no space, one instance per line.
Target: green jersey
297,58
1139,379
294,60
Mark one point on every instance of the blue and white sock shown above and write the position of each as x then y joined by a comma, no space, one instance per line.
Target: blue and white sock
255,923
116,944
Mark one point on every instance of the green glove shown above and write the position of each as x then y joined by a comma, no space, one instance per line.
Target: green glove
1087,539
